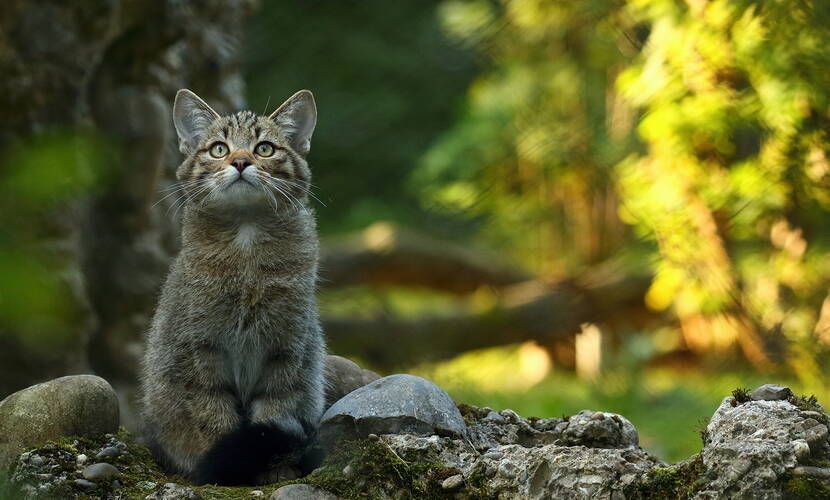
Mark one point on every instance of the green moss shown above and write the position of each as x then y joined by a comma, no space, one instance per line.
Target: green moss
804,488
680,481
376,468
741,395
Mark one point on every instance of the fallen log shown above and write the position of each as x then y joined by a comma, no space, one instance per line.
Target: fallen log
384,254
531,310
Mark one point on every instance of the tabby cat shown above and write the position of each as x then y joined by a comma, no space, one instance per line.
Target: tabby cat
232,376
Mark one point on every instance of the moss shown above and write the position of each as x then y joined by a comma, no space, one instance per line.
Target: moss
702,425
471,414
741,395
680,481
797,488
376,468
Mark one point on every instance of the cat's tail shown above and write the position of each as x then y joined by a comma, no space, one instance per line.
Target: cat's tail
243,455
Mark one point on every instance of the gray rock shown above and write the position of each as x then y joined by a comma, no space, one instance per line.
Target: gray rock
538,472
101,471
343,376
397,404
78,405
173,491
751,447
83,483
600,430
771,392
301,492
110,452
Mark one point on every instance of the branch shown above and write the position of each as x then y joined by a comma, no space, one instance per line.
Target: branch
386,255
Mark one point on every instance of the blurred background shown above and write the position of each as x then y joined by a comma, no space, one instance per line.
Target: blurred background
541,205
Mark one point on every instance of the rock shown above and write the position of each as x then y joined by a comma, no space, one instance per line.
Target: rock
600,430
538,472
257,493
110,452
452,482
100,471
173,491
301,492
752,448
343,376
397,404
77,405
771,392
81,459
83,483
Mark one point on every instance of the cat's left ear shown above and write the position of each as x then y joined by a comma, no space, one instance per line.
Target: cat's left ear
297,117
192,116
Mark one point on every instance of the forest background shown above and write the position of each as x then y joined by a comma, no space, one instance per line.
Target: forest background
541,205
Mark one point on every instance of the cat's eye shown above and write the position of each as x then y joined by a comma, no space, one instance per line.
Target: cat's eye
264,149
219,150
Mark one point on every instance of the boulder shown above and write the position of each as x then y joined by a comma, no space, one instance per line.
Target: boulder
77,405
752,448
343,376
397,404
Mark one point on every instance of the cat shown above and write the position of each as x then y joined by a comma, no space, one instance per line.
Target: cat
232,376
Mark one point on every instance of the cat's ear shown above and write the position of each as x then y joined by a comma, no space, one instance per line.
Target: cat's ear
192,116
297,117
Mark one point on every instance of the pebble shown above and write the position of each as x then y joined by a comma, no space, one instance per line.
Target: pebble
81,459
83,483
801,449
453,482
496,417
36,460
257,493
102,470
110,452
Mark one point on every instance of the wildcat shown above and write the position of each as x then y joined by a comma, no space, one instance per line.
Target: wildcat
232,376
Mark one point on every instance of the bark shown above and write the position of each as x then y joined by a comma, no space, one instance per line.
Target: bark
110,68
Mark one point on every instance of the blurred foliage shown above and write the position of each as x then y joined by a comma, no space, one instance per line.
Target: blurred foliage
386,81
542,130
733,186
702,124
40,181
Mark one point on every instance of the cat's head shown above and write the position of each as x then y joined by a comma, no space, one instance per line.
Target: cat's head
245,159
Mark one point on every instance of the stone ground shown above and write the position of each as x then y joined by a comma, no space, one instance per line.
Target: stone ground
402,437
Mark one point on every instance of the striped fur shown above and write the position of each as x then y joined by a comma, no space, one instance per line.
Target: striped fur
235,350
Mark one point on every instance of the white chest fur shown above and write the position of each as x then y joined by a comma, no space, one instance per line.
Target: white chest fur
243,360
246,237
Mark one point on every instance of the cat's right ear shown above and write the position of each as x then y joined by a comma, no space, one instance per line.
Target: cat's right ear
192,116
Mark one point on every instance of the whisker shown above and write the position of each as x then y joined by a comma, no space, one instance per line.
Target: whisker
305,190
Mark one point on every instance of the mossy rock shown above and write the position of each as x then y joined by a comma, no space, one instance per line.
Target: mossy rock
373,469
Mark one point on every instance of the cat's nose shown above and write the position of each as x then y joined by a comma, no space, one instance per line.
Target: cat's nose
241,162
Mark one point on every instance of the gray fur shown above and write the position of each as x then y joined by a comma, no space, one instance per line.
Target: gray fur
236,332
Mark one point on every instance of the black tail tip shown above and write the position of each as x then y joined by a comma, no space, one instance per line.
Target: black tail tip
243,456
